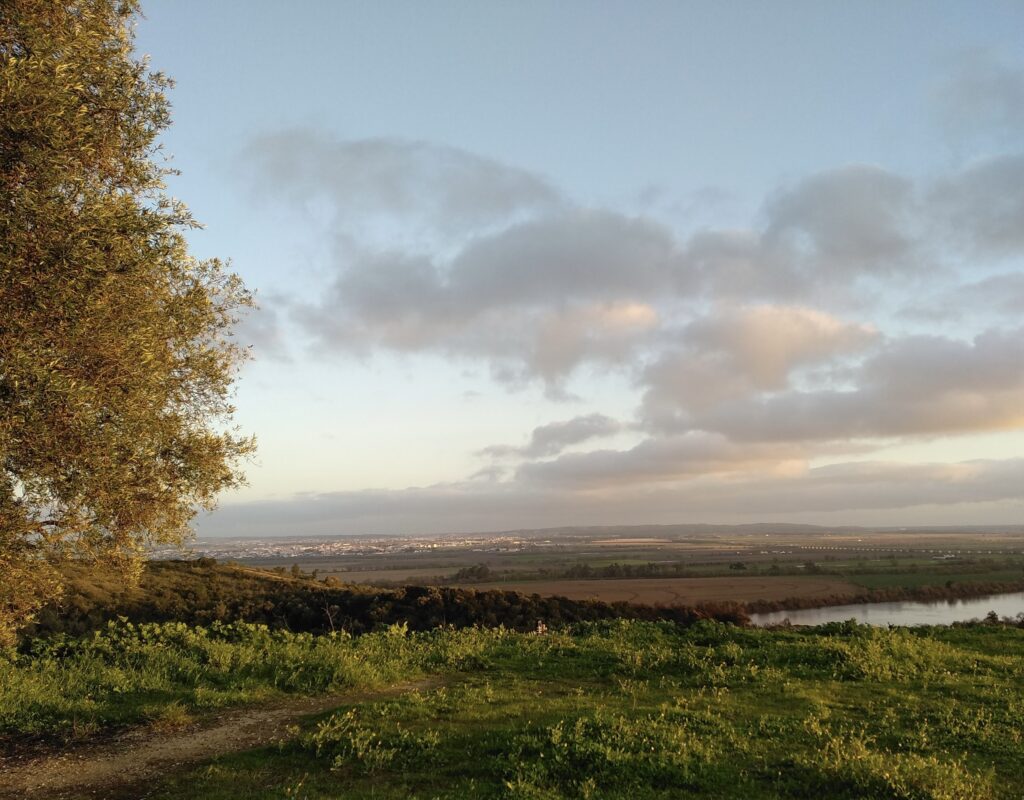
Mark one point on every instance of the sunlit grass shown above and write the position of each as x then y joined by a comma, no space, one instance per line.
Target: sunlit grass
604,710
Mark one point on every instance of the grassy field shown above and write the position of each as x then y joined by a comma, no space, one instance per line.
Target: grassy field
66,688
602,710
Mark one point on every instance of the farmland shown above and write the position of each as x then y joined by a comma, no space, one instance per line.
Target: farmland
669,565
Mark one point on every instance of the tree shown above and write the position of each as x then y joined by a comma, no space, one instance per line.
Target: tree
116,356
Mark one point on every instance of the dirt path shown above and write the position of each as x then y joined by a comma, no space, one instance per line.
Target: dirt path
107,769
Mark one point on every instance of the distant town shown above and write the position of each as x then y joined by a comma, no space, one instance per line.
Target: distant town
678,540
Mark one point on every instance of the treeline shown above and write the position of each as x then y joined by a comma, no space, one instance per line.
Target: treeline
202,591
482,573
921,594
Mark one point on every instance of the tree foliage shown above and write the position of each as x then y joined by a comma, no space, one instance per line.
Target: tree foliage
116,360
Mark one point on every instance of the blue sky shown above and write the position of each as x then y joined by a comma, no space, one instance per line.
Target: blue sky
530,264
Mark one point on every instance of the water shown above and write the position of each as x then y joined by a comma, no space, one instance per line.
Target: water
942,612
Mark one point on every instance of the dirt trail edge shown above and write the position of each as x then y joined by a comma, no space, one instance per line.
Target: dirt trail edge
106,769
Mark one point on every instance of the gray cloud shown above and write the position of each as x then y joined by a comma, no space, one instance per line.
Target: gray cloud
260,329
981,208
485,506
553,438
544,295
1003,293
856,218
582,254
572,257
741,264
821,237
532,249
972,300
536,298
886,485
541,286
981,97
447,188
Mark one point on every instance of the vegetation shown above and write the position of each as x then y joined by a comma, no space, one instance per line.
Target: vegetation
927,593
63,686
598,710
906,572
889,581
202,591
115,357
116,367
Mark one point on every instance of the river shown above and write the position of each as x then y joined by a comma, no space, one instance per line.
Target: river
942,612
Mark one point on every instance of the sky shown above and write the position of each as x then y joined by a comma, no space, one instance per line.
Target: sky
539,264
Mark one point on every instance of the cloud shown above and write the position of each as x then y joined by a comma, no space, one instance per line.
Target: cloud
821,236
739,352
883,485
914,386
580,254
981,97
553,438
435,249
853,219
1003,293
986,485
981,208
984,299
544,295
260,328
747,347
768,342
443,187
535,299
740,265
607,333
661,459
539,296
516,275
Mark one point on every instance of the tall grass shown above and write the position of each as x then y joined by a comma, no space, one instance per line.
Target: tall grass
610,709
126,672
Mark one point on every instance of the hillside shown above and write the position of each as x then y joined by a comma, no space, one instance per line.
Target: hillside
218,681
614,709
203,591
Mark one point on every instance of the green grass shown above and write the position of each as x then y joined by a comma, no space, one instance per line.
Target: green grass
65,688
603,710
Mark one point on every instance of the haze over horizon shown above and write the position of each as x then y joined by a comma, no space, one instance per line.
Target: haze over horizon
534,265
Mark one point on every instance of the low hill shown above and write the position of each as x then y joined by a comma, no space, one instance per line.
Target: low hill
202,591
